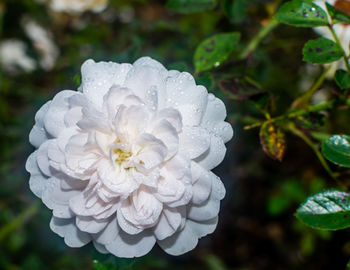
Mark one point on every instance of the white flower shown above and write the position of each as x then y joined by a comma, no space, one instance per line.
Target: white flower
125,161
43,43
342,31
13,57
77,6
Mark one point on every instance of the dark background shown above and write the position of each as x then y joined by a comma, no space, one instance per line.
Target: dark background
257,228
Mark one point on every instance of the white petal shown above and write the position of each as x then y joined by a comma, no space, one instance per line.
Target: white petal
54,118
91,225
148,61
214,155
184,95
203,228
72,116
140,79
100,248
173,116
153,151
165,132
109,233
38,134
37,181
126,225
168,223
57,199
193,141
43,159
180,242
129,246
202,186
213,118
98,78
66,228
210,208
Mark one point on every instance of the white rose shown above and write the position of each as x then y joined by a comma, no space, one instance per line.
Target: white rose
125,161
13,56
342,31
78,6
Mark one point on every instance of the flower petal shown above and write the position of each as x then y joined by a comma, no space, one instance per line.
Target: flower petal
37,181
57,199
90,224
109,233
38,134
203,228
54,117
66,228
180,242
208,209
214,155
142,78
98,78
213,118
193,141
129,246
169,221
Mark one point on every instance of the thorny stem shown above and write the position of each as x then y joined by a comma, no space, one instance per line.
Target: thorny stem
253,44
336,39
294,114
318,153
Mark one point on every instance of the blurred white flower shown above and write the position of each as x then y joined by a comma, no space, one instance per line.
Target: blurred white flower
342,31
13,57
76,6
43,42
125,161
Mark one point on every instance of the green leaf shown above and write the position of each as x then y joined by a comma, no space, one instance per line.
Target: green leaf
101,266
321,50
273,141
342,78
327,210
239,89
337,150
214,50
301,14
190,6
235,10
77,80
337,15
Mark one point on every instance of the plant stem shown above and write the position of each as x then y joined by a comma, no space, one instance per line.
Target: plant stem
18,221
294,114
305,98
336,39
253,44
318,153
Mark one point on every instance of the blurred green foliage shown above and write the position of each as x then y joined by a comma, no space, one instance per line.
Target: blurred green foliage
263,77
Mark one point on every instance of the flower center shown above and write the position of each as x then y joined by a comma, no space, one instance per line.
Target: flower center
122,156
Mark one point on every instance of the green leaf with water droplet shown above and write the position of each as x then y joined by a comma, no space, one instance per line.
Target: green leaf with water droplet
327,210
337,150
337,15
342,78
273,141
214,50
190,6
321,51
302,14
